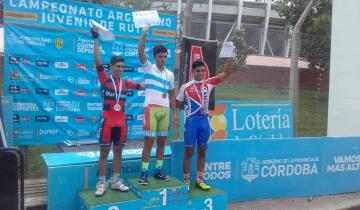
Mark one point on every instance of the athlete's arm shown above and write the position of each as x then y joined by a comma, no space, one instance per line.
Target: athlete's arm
227,69
133,85
141,47
102,75
95,36
172,96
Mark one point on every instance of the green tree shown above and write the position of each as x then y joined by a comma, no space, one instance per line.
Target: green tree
243,50
316,30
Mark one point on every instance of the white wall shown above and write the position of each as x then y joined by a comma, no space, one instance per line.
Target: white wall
344,93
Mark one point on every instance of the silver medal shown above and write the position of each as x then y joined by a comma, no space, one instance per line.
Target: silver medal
117,107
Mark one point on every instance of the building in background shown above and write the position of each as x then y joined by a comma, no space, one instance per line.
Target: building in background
225,14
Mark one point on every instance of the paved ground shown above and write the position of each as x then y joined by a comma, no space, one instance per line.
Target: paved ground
349,201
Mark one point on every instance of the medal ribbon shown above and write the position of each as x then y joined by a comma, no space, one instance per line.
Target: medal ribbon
117,94
202,92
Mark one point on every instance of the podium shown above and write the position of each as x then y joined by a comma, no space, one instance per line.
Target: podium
158,194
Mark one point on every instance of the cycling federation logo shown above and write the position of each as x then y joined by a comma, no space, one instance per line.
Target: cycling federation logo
59,43
250,169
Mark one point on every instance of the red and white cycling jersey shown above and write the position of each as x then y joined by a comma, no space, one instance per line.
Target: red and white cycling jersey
196,98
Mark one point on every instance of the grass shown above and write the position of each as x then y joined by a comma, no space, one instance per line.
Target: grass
312,119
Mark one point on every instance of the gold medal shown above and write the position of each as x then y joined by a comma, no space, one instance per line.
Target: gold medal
164,95
117,107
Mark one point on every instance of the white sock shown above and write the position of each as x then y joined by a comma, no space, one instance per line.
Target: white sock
115,177
102,179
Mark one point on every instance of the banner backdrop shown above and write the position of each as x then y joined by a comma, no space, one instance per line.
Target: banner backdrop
195,49
273,168
50,72
249,120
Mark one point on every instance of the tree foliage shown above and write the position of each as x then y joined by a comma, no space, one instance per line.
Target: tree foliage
316,30
243,50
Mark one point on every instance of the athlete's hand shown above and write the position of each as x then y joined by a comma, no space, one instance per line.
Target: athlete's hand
145,29
94,33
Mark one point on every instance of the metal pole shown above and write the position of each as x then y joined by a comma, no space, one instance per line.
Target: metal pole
266,26
287,43
294,69
238,24
178,17
2,133
209,20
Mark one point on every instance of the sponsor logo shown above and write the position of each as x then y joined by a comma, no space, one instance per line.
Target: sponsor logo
30,107
129,117
23,133
273,168
132,105
14,75
61,65
82,133
80,66
140,117
42,63
16,118
129,93
42,118
70,132
128,69
80,93
141,93
94,106
250,169
13,60
68,106
25,90
42,91
106,66
14,89
61,119
71,80
117,48
25,118
48,105
217,170
83,81
48,132
94,93
79,119
25,61
59,43
61,92
48,77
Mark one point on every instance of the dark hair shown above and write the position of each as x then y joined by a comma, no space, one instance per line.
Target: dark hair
116,59
159,49
197,63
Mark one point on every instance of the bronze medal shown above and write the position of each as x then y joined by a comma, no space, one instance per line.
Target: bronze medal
164,95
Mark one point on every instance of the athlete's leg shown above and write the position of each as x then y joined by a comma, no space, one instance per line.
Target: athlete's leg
186,163
189,144
163,118
150,126
105,143
149,141
203,138
160,145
